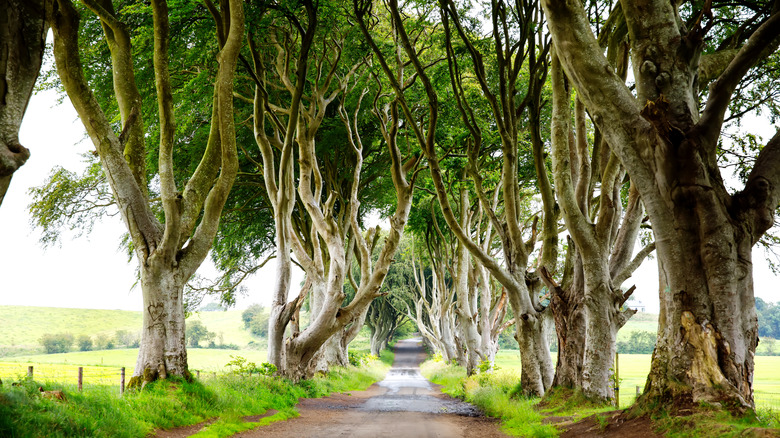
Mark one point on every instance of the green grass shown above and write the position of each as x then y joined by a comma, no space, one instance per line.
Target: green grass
498,395
633,370
204,359
23,326
647,322
98,411
493,393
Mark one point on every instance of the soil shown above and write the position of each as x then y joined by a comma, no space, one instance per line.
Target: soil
616,424
403,405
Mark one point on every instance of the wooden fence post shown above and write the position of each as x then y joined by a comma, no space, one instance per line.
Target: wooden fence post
122,382
81,377
30,372
617,380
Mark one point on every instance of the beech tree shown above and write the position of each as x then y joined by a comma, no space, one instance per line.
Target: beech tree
170,250
667,141
453,300
517,44
23,29
589,307
279,127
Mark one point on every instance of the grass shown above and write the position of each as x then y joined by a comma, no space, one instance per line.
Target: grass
633,370
23,326
98,411
204,359
498,395
493,393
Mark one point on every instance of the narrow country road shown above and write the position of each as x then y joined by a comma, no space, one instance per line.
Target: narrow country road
404,405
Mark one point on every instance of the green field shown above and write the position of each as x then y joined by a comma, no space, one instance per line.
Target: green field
633,370
22,327
204,359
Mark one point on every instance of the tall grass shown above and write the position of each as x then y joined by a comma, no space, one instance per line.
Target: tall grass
496,394
100,412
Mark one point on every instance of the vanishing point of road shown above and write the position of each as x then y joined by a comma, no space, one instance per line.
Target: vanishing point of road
403,405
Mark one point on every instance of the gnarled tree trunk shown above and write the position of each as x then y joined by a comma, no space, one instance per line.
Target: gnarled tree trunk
23,28
168,253
707,326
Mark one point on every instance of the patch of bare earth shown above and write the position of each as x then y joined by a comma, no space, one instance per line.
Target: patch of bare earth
616,424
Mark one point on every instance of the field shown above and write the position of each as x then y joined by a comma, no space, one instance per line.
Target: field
22,327
633,370
103,367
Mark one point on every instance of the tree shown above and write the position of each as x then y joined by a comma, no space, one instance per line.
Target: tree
537,371
250,313
333,232
639,342
84,342
667,143
23,30
170,250
57,343
590,310
196,332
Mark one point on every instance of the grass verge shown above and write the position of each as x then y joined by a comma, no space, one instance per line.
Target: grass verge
705,421
499,395
495,394
100,412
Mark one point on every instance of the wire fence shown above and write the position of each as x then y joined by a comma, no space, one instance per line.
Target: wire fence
79,376
65,374
766,395
85,376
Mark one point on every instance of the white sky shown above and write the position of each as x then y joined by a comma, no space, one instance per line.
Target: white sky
91,272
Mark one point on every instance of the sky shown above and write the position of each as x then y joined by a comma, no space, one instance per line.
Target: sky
92,272
87,272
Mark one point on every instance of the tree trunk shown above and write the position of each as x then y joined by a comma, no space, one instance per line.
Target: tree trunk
23,29
536,372
707,328
707,325
568,310
162,352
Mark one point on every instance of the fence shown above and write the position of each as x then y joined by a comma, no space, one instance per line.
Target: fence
73,374
67,374
631,384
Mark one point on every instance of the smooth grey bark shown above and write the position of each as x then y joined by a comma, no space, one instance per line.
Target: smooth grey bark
590,311
707,328
168,254
23,28
326,261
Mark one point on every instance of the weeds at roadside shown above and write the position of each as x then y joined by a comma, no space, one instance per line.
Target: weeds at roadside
491,393
100,412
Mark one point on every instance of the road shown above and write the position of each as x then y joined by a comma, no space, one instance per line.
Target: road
403,405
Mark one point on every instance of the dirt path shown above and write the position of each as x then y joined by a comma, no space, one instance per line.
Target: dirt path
403,405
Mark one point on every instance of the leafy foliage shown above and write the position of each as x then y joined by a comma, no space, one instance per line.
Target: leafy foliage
70,201
256,320
768,319
57,343
196,332
84,343
639,342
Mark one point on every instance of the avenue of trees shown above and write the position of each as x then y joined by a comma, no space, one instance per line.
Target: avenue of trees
527,156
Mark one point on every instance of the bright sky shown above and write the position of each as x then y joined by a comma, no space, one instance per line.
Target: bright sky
92,272
88,272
